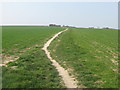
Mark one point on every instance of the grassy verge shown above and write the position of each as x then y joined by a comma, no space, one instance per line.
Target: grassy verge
91,54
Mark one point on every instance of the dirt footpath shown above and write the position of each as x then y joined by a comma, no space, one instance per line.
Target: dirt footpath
69,81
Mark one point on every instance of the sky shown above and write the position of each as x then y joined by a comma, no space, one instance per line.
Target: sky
80,14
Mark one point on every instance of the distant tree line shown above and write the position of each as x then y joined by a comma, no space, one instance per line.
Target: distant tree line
98,27
54,25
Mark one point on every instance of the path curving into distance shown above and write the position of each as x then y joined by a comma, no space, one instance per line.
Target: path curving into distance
69,81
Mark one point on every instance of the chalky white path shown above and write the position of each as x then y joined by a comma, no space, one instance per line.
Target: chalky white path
69,81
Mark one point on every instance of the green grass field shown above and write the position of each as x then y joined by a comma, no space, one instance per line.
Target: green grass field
33,69
17,38
91,54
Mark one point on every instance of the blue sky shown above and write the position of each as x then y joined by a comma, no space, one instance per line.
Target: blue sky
82,14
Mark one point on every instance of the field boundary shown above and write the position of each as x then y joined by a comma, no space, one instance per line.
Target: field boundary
69,81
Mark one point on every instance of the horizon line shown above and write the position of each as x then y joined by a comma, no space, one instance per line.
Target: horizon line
56,24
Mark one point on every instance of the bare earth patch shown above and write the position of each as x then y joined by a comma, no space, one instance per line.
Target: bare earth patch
11,58
6,59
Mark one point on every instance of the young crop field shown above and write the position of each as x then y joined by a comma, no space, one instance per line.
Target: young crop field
90,54
17,38
31,68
